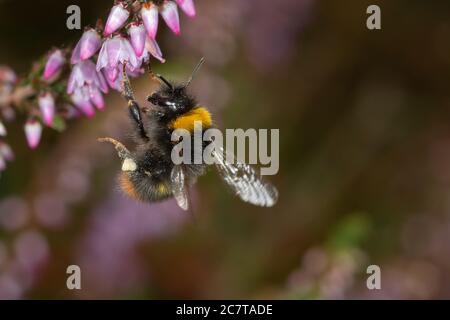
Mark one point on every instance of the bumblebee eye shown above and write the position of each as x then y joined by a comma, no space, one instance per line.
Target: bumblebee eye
170,104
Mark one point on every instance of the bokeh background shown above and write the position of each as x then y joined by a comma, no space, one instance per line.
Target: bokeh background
364,160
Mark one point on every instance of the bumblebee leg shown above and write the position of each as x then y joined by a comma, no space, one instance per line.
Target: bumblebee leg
128,164
133,106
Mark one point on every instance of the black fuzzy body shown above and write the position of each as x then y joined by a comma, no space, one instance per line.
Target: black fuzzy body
151,181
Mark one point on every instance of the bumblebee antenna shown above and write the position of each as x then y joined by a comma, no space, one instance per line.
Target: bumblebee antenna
159,77
194,72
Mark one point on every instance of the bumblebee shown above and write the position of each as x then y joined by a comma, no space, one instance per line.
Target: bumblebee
148,172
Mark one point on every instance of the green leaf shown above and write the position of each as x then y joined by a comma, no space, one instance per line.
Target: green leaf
59,124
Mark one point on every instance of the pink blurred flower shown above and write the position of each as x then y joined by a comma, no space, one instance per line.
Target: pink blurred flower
7,75
187,6
55,63
3,131
33,131
2,163
88,45
169,12
137,38
6,152
115,51
47,106
31,250
149,15
116,19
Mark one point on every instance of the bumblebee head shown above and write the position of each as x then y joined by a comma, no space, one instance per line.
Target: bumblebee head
174,99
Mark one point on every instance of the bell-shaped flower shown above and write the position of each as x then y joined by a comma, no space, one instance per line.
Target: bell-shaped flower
88,45
187,6
6,151
33,132
153,48
82,100
149,15
117,84
97,98
116,19
55,63
85,73
3,131
169,12
116,51
137,38
47,106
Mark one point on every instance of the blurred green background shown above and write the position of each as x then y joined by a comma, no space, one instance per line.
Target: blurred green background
364,160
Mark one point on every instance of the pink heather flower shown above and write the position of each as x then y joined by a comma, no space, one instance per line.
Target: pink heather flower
169,12
3,131
117,84
2,164
86,86
33,131
7,75
82,100
187,6
6,152
55,62
111,73
149,15
115,51
117,18
152,47
71,112
137,38
88,45
97,98
84,73
47,106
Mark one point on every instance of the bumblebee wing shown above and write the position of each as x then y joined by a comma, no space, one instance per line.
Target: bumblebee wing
177,178
244,181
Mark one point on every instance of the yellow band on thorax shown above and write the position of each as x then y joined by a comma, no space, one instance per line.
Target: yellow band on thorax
187,120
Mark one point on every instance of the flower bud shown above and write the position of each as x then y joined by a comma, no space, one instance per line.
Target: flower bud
6,152
55,62
149,15
47,106
117,18
3,131
137,38
187,6
90,42
33,131
169,13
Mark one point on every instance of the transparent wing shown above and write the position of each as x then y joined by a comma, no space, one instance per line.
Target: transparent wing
244,181
177,178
